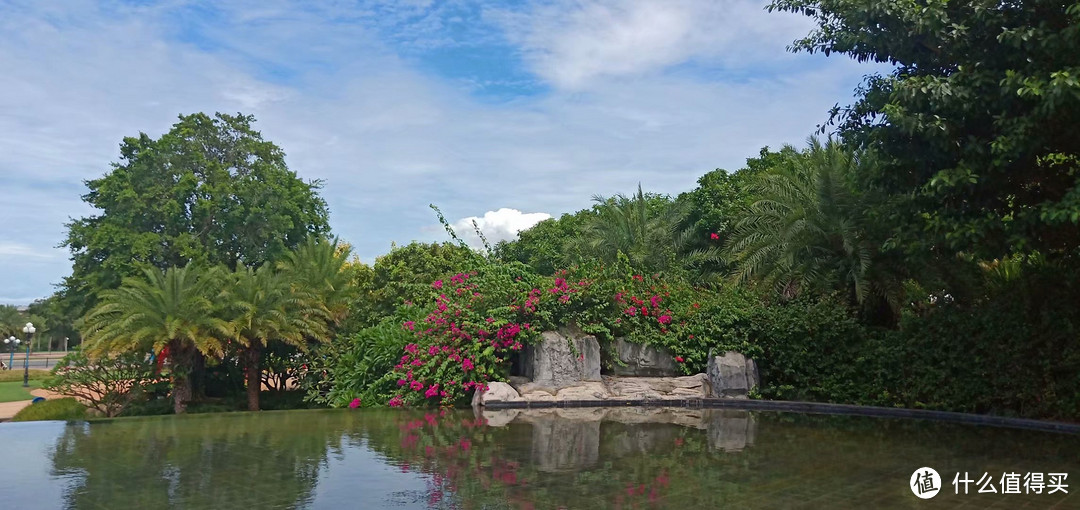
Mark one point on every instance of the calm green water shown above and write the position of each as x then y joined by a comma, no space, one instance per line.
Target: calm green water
578,458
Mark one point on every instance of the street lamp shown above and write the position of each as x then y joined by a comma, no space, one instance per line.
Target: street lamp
29,330
14,343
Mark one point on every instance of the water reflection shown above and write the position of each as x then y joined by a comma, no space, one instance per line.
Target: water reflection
556,458
570,439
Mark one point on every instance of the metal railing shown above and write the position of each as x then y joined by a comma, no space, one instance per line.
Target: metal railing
37,360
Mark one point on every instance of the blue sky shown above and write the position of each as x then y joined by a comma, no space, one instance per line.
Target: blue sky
502,111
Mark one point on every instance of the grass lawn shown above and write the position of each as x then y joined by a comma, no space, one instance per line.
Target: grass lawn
12,391
17,375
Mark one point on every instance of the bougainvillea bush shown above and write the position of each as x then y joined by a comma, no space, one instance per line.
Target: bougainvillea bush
473,325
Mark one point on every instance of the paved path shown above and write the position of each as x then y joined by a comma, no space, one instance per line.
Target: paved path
8,409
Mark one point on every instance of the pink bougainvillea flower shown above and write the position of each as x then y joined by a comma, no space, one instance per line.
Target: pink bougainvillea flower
395,402
467,364
432,391
654,301
410,325
664,319
416,385
437,284
630,311
402,382
714,236
679,359
638,277
354,404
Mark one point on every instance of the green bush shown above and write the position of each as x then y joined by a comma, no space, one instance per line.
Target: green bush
57,409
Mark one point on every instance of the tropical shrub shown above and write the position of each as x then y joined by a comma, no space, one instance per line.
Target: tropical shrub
477,321
107,384
56,409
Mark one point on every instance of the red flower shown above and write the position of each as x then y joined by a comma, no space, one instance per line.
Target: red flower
714,236
679,359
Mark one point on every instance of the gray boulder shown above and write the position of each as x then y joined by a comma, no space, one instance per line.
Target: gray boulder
496,392
639,360
562,358
731,374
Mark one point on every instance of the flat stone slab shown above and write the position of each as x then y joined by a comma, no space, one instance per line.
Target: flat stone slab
608,388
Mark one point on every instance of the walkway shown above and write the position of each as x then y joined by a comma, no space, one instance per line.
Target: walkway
8,409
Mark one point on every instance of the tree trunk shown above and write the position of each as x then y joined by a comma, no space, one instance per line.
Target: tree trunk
180,359
254,377
198,376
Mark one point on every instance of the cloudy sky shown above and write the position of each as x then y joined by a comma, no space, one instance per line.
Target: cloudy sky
505,112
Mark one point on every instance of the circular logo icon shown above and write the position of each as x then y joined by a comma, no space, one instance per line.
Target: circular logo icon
925,482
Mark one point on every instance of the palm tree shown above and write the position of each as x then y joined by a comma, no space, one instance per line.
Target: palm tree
808,229
650,231
263,308
321,271
171,308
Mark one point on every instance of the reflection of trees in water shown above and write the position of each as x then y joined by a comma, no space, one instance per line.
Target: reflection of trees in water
574,458
704,458
267,460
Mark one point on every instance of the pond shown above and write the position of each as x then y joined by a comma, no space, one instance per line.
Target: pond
557,458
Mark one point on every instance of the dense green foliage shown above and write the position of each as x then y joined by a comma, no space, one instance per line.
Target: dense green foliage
55,409
975,123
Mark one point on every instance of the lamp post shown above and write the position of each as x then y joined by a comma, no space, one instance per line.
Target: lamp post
29,330
14,343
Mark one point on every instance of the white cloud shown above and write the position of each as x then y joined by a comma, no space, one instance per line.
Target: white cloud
22,250
501,225
573,42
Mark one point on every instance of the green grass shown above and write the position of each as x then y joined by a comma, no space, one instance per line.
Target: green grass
36,374
13,391
56,409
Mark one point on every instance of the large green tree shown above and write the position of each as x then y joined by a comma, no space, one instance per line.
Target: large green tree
975,123
210,191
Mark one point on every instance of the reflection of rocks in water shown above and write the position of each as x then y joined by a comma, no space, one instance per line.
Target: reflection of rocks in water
730,430
625,439
566,439
562,444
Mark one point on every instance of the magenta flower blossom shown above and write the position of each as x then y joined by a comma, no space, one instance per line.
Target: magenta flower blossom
664,319
630,311
432,391
437,284
416,385
395,402
354,404
466,364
